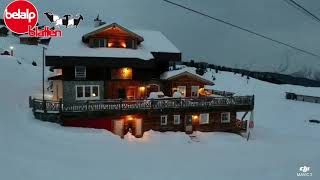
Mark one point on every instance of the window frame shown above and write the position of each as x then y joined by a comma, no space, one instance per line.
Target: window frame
76,74
174,119
197,92
185,90
201,118
166,120
228,120
99,42
83,87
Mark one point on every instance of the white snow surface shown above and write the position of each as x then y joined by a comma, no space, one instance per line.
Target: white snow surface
281,142
71,45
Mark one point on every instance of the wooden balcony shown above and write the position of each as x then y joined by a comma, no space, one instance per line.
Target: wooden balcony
159,106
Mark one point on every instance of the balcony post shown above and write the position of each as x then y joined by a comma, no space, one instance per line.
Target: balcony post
44,103
60,105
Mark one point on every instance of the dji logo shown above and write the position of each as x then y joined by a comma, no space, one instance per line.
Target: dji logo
304,171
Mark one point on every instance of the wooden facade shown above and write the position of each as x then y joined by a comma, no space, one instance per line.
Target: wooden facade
148,114
29,40
112,92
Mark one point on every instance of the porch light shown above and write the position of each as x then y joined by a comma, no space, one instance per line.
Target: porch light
129,118
11,49
142,88
195,117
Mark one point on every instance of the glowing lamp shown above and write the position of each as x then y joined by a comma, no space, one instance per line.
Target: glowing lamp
11,47
195,117
123,44
110,44
94,95
129,118
142,88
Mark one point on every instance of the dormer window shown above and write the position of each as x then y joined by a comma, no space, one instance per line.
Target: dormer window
117,43
112,36
99,43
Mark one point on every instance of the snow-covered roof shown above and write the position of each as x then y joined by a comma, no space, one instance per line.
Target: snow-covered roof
3,26
155,41
71,45
170,75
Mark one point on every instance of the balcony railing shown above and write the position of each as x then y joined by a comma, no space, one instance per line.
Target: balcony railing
119,105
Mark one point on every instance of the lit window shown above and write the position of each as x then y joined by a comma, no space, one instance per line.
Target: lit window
194,91
182,90
80,72
87,92
225,117
204,118
164,120
117,43
176,119
122,73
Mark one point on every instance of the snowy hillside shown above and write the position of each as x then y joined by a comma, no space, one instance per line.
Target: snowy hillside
204,40
282,140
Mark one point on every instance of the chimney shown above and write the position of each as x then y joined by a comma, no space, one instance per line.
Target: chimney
97,21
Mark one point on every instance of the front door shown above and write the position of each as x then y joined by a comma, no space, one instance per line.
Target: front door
188,123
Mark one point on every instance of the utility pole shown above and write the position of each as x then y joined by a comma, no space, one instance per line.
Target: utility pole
43,61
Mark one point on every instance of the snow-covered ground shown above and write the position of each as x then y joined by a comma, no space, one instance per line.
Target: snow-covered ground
282,140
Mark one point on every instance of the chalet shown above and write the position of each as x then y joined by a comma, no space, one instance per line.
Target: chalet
301,97
105,78
26,39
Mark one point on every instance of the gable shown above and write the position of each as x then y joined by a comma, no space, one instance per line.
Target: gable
189,77
112,31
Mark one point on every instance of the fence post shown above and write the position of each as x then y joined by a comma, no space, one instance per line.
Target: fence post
60,105
88,106
30,102
33,105
44,106
120,105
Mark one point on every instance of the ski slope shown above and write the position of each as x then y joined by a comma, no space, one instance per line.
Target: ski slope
282,140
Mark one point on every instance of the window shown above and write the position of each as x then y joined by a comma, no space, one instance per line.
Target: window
79,91
194,91
176,119
164,120
99,43
204,118
87,92
182,90
225,117
80,72
122,73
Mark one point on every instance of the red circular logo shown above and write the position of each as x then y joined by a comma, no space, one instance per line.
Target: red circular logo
19,15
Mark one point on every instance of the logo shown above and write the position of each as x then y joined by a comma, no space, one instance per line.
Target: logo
19,15
304,171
